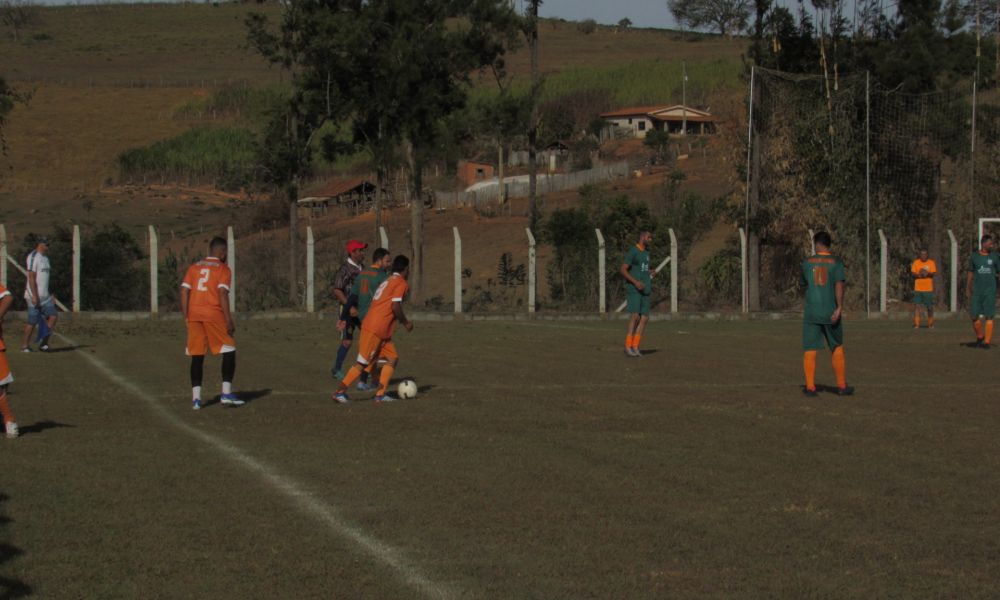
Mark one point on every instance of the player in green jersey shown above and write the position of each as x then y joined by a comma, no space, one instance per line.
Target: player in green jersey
823,277
362,292
638,285
981,288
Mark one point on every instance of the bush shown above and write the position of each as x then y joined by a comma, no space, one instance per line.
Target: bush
587,26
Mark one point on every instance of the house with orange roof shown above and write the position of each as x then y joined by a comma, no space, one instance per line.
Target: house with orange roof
672,119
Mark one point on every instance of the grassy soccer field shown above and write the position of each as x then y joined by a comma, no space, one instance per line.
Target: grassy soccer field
537,462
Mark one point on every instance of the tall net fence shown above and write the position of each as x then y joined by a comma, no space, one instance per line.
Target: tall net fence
847,156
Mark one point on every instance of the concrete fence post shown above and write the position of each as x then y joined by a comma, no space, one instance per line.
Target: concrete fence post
602,273
76,268
531,271
310,271
883,275
3,255
743,268
154,284
954,272
673,271
231,263
384,236
458,271
812,244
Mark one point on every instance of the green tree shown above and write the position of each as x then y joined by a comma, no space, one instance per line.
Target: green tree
9,97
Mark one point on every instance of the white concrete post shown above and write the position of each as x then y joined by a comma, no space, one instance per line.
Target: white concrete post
3,255
884,259
385,238
954,272
310,271
812,244
458,271
673,271
743,267
531,271
76,268
231,263
154,284
602,273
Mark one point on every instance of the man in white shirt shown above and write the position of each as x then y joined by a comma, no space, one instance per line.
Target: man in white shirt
41,304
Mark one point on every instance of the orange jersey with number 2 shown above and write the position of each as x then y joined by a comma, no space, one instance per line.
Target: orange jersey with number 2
205,278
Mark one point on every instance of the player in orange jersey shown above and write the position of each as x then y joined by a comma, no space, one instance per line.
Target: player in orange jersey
205,304
5,377
922,271
376,331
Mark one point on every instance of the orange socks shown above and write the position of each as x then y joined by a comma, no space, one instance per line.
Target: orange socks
916,321
989,331
930,321
979,329
635,340
628,341
809,366
383,381
8,417
352,376
839,367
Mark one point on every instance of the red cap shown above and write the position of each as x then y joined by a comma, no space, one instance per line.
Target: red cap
355,245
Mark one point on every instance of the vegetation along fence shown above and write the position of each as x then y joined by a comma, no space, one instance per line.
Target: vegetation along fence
518,187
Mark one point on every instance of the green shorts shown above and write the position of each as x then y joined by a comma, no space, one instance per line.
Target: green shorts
984,305
637,303
813,335
924,299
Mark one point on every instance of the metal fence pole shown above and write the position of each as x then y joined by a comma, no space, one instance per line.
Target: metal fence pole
531,271
76,268
3,255
884,259
310,271
385,238
602,273
231,263
954,272
743,267
154,285
458,271
673,271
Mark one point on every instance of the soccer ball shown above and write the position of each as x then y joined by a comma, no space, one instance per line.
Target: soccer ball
407,390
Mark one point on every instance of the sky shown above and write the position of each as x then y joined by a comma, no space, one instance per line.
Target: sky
642,13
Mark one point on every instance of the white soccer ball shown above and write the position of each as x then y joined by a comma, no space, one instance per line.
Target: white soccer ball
407,390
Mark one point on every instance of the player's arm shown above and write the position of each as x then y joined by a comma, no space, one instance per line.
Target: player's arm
5,303
839,292
915,274
628,276
224,303
32,284
397,311
968,285
185,300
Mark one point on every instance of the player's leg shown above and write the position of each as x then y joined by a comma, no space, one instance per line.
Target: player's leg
346,338
641,326
222,343
930,316
812,342
32,321
916,310
368,345
51,315
835,337
197,346
633,322
977,308
388,352
10,424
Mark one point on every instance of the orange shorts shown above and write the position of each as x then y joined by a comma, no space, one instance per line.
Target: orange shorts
203,335
371,348
5,376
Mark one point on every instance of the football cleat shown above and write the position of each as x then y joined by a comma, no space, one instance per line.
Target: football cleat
986,345
979,342
341,398
628,352
384,398
27,350
231,400
810,393
196,404
636,352
363,386
12,431
845,391
44,348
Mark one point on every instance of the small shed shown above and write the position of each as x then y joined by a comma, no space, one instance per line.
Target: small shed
470,172
351,192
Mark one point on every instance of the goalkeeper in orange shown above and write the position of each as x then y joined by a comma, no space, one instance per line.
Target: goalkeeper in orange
922,271
376,331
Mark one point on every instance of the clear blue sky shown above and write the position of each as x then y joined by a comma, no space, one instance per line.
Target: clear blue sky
642,13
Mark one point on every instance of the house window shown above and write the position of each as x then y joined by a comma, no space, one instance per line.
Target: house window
630,121
480,173
642,126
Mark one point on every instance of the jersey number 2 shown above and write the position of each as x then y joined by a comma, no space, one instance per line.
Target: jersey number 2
204,278
819,276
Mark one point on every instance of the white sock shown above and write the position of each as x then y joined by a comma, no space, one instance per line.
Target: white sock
227,387
196,392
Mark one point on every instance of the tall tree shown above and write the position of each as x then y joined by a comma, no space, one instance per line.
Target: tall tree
9,97
20,14
727,16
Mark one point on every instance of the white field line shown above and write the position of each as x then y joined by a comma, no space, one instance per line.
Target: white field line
305,501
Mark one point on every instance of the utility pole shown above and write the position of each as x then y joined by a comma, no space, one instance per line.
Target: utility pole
684,102
533,130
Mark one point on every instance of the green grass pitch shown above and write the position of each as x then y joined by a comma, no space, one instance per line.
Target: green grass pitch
537,462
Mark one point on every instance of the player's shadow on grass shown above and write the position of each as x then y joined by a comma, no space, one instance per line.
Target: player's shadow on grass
969,344
829,389
39,427
247,396
65,349
648,352
11,588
